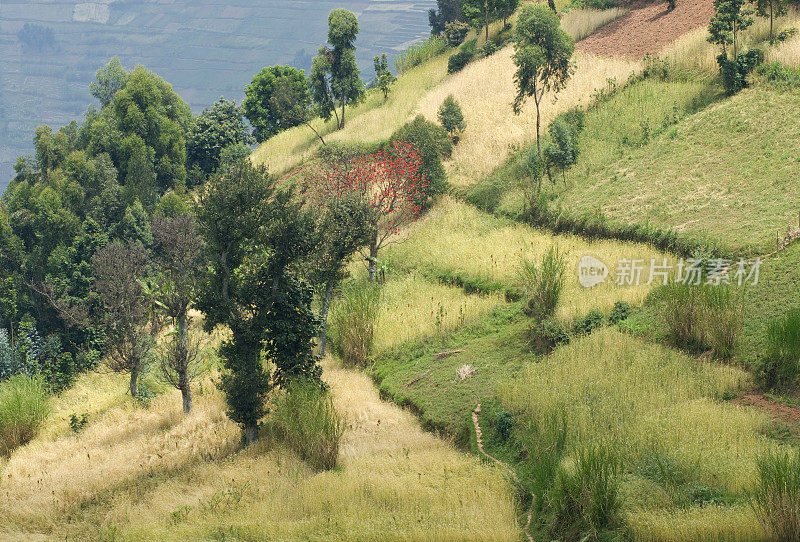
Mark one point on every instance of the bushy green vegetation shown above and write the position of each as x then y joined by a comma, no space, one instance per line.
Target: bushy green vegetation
420,53
353,321
305,418
24,406
776,498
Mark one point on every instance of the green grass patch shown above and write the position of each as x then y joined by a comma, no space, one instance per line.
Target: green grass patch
413,376
727,173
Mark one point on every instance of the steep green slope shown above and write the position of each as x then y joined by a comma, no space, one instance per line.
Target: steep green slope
729,173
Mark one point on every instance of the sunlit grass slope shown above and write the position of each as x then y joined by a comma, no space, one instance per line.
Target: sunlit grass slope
456,240
414,307
374,120
613,128
646,402
693,49
727,173
485,89
151,474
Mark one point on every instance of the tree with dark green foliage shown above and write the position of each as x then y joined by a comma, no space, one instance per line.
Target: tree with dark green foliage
433,145
216,129
505,9
108,81
334,73
144,114
451,117
771,9
479,13
291,102
543,53
731,17
256,236
260,106
456,32
448,11
343,231
561,152
385,79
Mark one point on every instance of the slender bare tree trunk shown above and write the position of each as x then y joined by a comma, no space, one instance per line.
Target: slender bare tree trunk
326,304
183,362
250,434
315,132
373,258
134,386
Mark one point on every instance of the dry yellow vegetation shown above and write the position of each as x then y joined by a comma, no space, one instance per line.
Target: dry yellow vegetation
457,238
415,308
485,90
694,51
153,474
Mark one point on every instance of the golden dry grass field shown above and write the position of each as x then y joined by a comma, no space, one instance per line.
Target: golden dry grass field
152,474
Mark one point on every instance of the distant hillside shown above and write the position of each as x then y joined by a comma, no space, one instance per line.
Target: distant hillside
50,49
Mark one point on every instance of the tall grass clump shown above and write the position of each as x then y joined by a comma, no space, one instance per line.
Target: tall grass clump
703,318
543,283
776,498
585,501
420,53
305,418
353,320
779,365
24,406
580,23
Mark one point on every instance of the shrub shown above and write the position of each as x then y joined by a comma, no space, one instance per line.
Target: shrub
78,423
776,498
451,117
504,424
586,325
561,152
543,283
779,364
620,312
459,60
574,118
433,143
585,502
24,406
455,32
489,48
548,334
735,71
420,53
352,322
305,418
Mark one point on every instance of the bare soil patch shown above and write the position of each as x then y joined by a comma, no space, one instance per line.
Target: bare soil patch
647,28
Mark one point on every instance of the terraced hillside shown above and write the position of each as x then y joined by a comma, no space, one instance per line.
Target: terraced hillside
205,48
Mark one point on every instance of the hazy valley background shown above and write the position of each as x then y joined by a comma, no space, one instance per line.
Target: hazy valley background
205,48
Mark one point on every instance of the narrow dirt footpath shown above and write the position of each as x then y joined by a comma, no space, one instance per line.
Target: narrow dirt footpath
647,28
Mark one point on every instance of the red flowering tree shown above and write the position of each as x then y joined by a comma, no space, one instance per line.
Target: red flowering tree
391,184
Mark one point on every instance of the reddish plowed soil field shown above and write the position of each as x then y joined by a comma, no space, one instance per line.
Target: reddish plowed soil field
647,28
